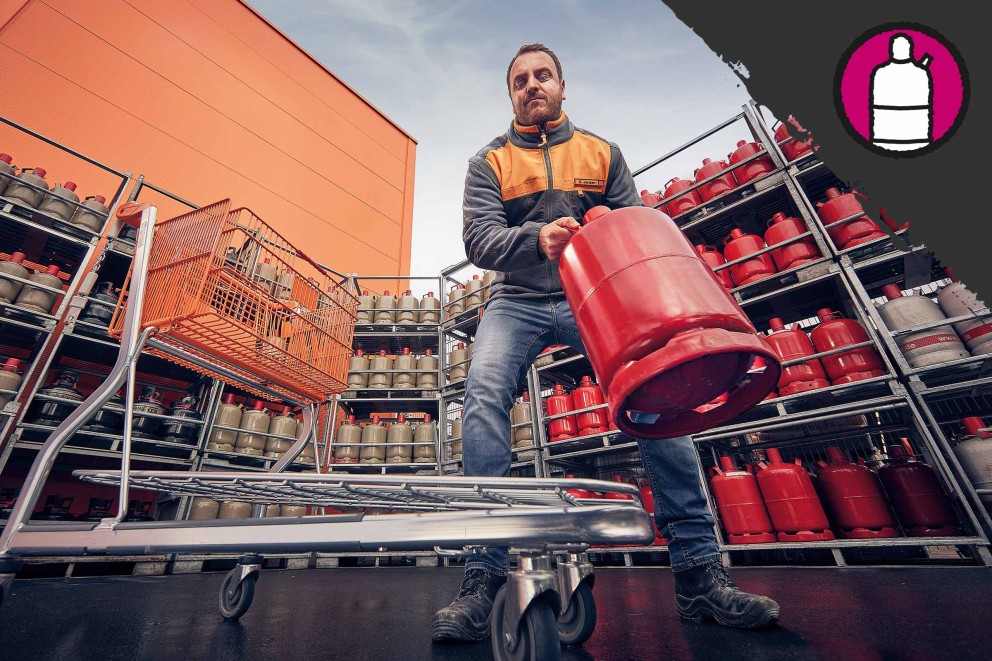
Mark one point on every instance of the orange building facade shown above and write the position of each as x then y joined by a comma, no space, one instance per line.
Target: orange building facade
207,100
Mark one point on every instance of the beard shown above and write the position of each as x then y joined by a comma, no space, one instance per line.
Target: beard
540,115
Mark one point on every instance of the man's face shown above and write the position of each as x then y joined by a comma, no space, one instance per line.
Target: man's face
535,90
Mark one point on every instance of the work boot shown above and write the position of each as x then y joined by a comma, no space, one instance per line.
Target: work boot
467,617
707,592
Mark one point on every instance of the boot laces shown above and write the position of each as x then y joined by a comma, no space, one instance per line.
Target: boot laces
475,583
720,575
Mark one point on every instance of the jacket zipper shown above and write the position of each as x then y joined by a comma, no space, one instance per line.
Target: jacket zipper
550,203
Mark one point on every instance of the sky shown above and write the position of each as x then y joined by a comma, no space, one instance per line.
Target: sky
634,74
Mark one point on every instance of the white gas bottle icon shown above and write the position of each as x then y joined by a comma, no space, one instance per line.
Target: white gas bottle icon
901,99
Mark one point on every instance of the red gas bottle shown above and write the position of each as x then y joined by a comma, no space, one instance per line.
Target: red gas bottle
712,256
853,498
781,228
751,169
792,148
914,490
758,365
848,366
647,499
680,342
679,204
738,245
580,493
847,235
560,402
739,503
791,344
654,200
585,395
791,500
613,495
718,186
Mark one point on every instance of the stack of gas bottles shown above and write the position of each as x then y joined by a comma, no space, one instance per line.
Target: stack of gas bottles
937,344
57,508
401,441
468,296
404,371
793,148
748,162
647,500
256,431
202,509
845,220
29,285
30,189
779,500
405,309
583,411
832,334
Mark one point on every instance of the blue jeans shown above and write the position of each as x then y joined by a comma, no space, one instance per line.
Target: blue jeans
513,331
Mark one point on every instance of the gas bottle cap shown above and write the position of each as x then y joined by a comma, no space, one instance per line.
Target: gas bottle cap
776,324
259,405
382,352
100,198
727,463
707,161
428,352
832,193
52,269
365,292
41,172
401,418
826,314
461,345
406,351
836,455
559,389
430,294
779,216
375,419
6,158
618,478
595,213
385,293
285,410
736,233
774,456
229,398
69,186
408,292
587,380
351,418
971,424
17,257
359,352
265,260
475,276
741,143
892,291
427,417
526,396
11,365
459,286
897,452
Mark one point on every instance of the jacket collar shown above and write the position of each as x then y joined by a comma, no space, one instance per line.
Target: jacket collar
557,131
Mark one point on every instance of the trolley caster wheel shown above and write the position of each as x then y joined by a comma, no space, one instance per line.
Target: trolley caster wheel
537,633
236,595
578,621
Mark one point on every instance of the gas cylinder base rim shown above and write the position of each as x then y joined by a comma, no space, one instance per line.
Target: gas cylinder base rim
556,439
864,239
943,531
755,278
806,536
221,448
858,376
868,533
799,262
592,430
752,538
251,452
682,350
344,461
803,386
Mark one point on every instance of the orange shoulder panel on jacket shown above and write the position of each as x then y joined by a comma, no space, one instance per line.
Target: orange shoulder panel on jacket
519,171
582,163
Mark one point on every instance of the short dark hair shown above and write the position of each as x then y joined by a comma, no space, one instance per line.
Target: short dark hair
532,48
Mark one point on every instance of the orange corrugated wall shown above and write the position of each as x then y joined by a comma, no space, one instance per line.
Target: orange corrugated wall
207,100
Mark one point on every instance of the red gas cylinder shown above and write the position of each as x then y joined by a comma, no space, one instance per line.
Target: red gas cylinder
791,499
586,395
847,235
712,256
740,506
654,200
852,496
792,148
580,493
718,186
647,499
791,344
751,169
781,228
613,495
680,342
679,204
738,245
759,365
855,365
914,490
560,402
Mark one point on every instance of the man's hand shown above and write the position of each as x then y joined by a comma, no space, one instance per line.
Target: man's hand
555,235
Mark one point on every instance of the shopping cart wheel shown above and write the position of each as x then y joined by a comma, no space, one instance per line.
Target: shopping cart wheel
537,635
578,621
237,592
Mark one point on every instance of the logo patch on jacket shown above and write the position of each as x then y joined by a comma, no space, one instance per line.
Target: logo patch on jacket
589,183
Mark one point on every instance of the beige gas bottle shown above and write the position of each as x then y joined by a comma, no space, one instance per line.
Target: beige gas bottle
385,309
20,191
426,432
427,371
473,292
487,280
282,289
229,415
265,274
307,453
458,364
10,379
522,436
456,301
271,511
407,308
92,214
203,509
399,437
57,202
405,364
373,432
456,446
430,309
956,300
252,420
9,289
348,433
282,425
234,509
358,366
366,307
7,171
293,510
40,300
923,348
381,366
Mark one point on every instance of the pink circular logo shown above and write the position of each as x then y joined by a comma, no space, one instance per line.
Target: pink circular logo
901,89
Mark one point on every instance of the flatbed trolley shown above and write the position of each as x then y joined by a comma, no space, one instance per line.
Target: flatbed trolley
197,299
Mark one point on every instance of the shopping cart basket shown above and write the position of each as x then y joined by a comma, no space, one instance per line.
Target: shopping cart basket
220,292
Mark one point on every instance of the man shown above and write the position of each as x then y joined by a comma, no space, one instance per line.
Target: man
523,193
